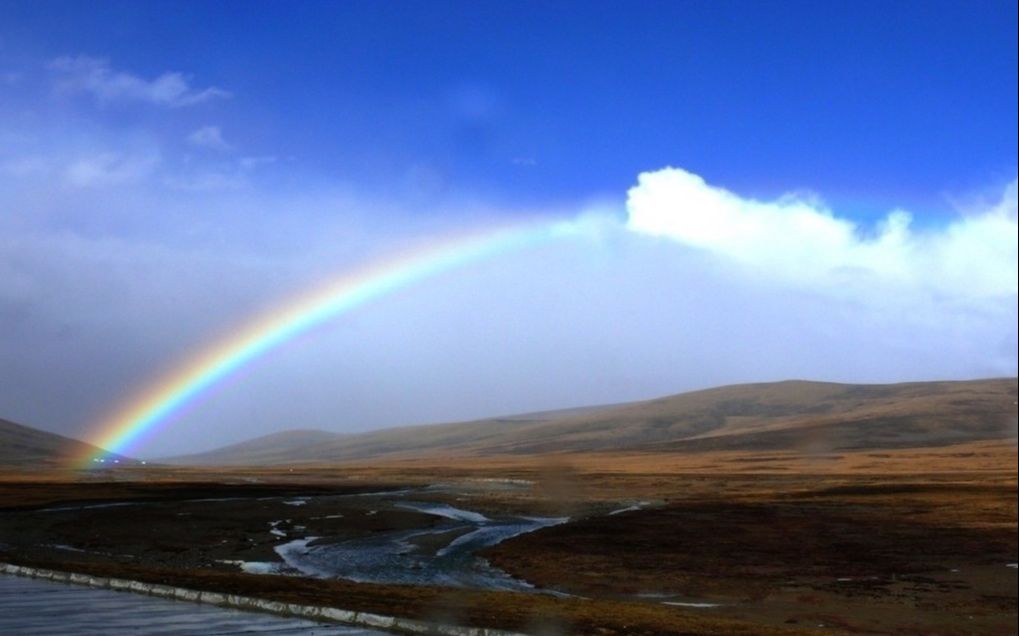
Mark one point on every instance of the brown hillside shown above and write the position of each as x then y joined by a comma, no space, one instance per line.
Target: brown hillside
814,417
23,447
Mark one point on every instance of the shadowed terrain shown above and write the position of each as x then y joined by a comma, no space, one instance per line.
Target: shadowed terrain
32,449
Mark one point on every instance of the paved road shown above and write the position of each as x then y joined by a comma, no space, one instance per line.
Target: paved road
31,607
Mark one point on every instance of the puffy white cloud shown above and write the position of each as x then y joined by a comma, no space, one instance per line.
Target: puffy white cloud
210,137
95,76
797,239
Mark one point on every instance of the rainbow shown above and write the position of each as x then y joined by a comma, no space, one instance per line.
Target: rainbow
158,402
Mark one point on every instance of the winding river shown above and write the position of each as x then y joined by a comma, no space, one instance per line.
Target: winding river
448,558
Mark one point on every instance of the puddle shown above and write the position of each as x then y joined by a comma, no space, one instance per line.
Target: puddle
444,510
117,504
254,567
636,506
675,602
62,546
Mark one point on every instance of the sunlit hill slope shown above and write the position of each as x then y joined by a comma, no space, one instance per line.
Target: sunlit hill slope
813,417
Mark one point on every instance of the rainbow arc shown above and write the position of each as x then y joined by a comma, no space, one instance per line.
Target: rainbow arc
158,402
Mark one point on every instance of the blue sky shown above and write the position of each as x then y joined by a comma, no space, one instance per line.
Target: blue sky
874,103
769,190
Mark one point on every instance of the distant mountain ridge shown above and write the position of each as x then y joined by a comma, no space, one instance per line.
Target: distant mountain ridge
267,448
800,415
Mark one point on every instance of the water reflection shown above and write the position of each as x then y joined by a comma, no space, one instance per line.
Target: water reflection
31,607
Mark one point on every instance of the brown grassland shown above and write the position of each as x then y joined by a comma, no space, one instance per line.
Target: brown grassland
891,541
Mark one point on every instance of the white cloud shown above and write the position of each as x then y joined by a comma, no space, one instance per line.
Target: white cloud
206,181
94,75
231,175
798,239
210,137
110,168
250,163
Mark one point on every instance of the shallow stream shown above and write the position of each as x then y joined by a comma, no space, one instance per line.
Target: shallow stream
394,557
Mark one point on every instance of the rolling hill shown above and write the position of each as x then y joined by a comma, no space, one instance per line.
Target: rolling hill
23,447
807,416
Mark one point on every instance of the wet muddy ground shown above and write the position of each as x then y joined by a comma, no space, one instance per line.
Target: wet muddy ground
867,566
366,534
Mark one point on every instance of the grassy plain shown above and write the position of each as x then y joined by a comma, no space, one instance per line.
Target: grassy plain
893,541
